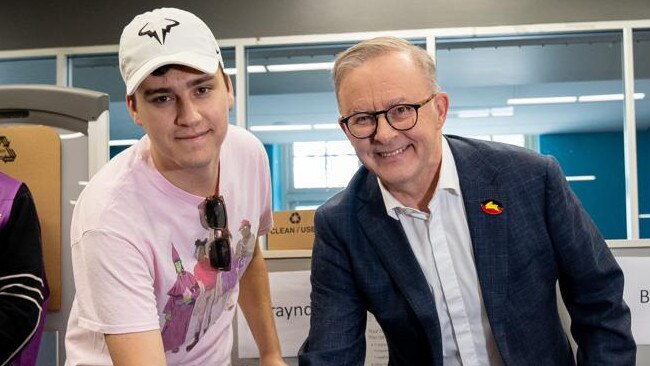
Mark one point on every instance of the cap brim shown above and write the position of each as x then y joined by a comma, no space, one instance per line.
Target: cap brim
208,64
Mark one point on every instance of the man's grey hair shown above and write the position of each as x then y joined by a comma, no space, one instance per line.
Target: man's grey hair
361,52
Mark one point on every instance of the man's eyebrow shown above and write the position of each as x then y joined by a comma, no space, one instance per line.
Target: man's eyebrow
200,80
150,92
191,83
395,101
391,103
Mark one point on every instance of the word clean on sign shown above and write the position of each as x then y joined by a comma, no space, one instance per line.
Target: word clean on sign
291,230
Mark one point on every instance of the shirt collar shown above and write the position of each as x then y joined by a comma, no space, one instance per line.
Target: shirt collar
448,181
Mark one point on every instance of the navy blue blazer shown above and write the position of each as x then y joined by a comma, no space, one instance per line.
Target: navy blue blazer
362,262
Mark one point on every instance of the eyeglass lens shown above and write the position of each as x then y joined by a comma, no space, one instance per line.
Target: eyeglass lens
219,254
400,117
219,248
215,212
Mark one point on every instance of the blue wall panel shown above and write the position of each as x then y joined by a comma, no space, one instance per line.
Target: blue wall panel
599,154
643,156
274,152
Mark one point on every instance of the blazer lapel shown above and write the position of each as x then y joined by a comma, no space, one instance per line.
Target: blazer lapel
488,232
389,240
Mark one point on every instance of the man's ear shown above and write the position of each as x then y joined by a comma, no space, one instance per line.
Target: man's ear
230,89
131,104
441,103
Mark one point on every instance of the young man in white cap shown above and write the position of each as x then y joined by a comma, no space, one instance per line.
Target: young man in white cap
164,237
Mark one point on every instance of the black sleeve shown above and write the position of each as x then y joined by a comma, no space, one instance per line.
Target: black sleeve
21,272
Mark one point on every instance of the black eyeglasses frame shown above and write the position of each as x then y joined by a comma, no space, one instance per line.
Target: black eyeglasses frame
416,106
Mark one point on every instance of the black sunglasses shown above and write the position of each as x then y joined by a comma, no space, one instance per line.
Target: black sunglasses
219,248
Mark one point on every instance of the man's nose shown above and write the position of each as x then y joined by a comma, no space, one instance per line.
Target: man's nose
188,113
384,131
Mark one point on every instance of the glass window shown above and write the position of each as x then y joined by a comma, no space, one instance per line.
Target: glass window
292,108
642,110
559,94
323,164
290,93
101,73
28,71
228,56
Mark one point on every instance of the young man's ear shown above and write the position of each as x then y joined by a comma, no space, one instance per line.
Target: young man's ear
132,107
230,89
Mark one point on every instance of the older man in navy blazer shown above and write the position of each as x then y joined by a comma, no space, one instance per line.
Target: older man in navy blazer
454,245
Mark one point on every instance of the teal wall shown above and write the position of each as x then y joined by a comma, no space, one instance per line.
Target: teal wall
643,156
601,154
275,161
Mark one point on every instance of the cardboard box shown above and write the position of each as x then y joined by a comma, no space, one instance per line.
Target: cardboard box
32,154
291,230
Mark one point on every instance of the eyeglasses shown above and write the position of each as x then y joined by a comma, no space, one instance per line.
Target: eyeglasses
218,249
401,117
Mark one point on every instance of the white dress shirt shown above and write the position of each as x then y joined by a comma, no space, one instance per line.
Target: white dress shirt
442,246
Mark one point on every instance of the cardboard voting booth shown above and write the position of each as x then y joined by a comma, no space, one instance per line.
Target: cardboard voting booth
32,154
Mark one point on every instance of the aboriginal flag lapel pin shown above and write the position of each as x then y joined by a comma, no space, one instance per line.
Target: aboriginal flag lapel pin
492,207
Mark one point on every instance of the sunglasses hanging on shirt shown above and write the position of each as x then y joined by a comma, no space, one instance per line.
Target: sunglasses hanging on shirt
218,248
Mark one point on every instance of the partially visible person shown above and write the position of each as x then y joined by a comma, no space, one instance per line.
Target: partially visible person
156,234
455,245
23,288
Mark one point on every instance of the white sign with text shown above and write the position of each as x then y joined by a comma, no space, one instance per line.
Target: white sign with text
376,346
291,309
637,295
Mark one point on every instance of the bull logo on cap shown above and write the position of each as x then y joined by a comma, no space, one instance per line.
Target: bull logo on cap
157,29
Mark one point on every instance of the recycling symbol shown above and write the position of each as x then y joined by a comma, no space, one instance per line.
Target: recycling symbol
295,218
7,154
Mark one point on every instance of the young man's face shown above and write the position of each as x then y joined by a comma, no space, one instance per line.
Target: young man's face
401,159
185,113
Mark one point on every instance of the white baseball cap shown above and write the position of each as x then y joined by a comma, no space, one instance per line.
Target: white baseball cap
166,36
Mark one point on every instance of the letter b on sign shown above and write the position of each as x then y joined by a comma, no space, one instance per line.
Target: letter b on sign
645,298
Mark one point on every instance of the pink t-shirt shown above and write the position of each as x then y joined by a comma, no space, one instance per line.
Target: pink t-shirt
138,258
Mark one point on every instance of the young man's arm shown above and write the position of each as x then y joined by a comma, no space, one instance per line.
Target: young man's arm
115,298
255,302
135,349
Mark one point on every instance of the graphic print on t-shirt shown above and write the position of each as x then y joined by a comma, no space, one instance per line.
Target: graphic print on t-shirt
196,300
207,277
240,256
178,310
